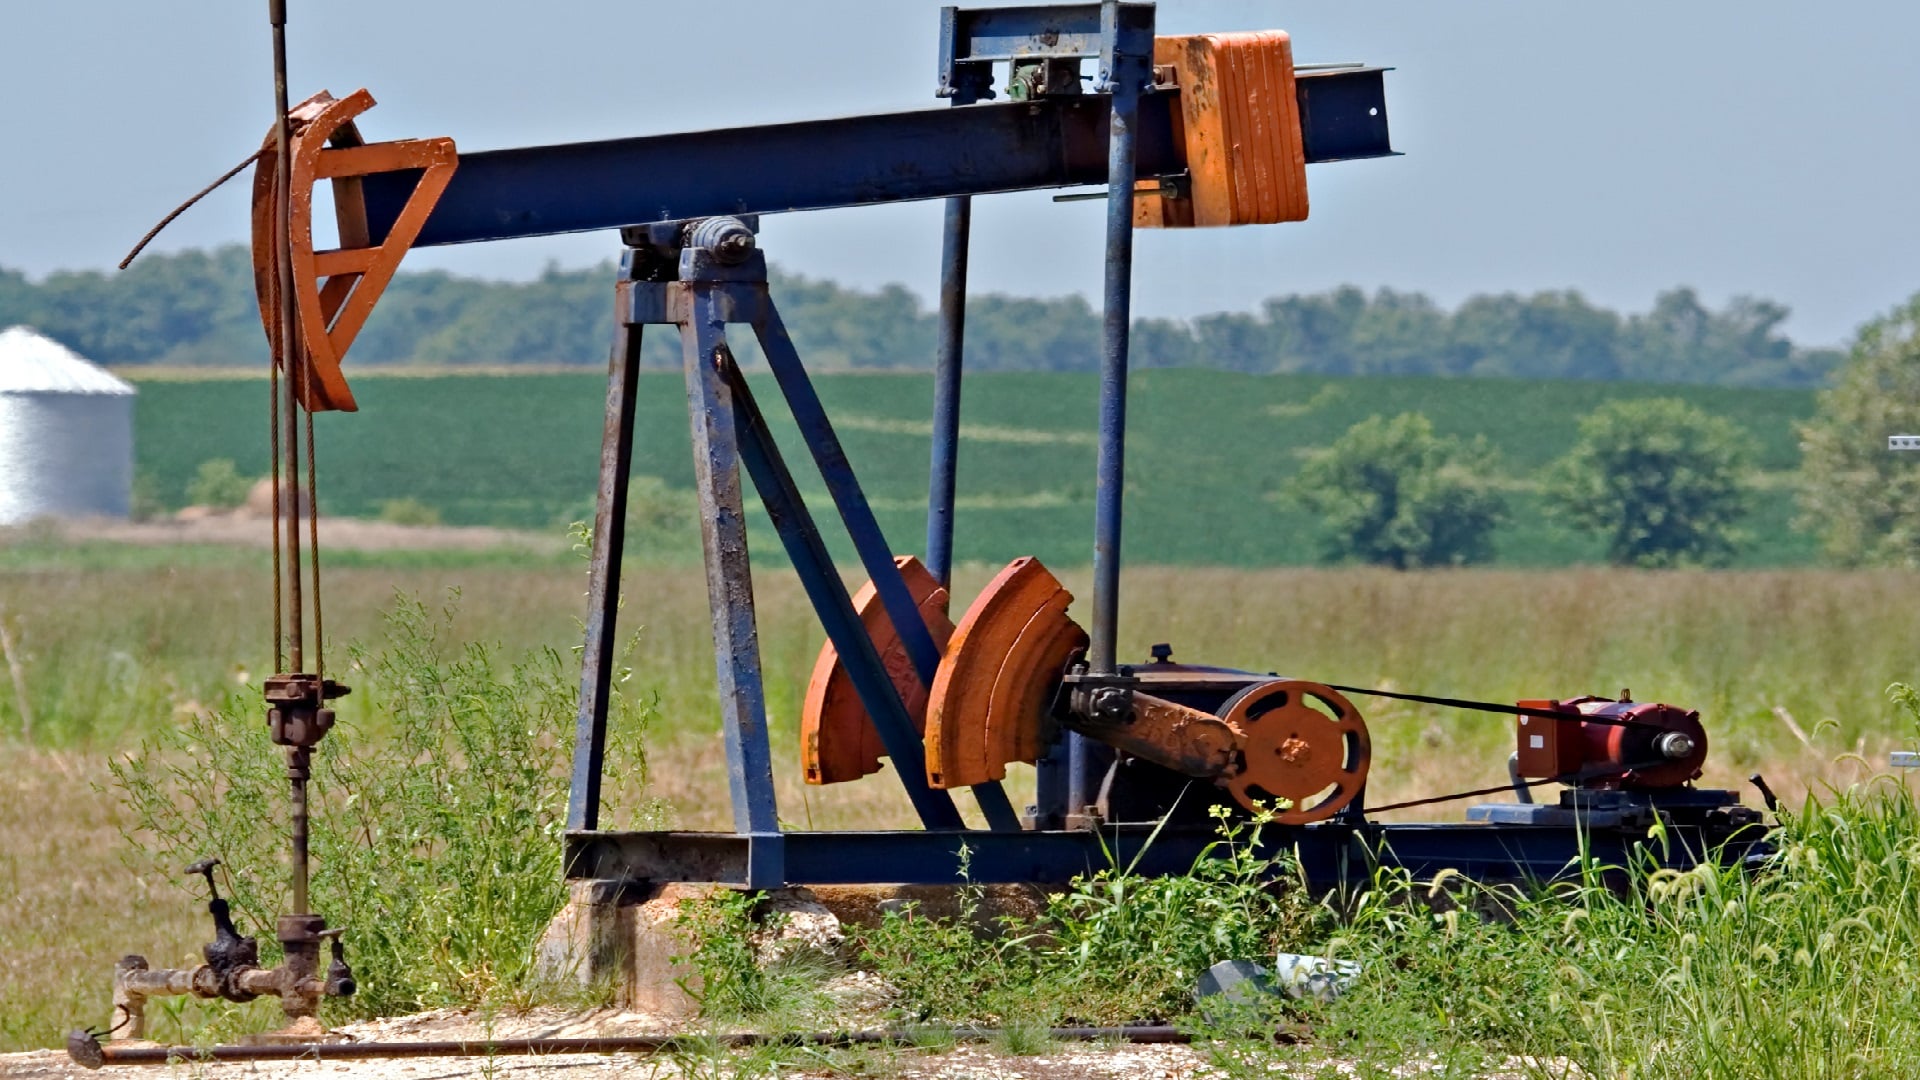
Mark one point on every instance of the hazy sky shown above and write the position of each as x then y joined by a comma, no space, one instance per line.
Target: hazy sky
1619,148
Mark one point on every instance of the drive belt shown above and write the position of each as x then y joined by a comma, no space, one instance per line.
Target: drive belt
1490,706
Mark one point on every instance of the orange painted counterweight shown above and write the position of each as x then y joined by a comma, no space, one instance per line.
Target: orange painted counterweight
1240,123
838,741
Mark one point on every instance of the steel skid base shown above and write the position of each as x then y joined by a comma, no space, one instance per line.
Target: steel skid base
1326,856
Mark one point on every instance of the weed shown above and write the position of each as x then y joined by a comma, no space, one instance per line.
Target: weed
1114,947
933,1038
1023,1038
740,968
437,818
723,973
949,970
1134,946
882,1060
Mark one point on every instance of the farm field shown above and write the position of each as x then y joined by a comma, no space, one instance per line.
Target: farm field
1209,453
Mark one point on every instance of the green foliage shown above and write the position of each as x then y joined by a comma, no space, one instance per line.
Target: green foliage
436,820
722,968
1392,493
663,521
1115,947
967,968
218,483
145,501
1023,1037
1662,481
1862,500
1806,968
737,968
198,308
408,510
1135,946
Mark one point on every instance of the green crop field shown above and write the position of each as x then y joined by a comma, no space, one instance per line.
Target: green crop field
1210,453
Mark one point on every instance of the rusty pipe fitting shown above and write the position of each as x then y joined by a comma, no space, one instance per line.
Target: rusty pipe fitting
134,982
299,990
297,982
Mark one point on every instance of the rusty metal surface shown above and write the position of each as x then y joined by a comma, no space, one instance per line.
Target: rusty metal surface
334,291
1316,758
990,699
838,741
88,1052
1189,741
1016,721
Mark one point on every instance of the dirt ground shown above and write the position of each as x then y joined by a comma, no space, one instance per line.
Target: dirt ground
198,525
1067,1061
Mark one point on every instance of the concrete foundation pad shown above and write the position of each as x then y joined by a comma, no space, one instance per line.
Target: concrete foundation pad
624,937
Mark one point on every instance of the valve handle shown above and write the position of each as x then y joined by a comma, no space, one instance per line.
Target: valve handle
204,867
340,981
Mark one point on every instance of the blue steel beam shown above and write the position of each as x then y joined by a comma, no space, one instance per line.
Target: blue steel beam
603,579
788,512
820,164
723,534
1330,853
876,555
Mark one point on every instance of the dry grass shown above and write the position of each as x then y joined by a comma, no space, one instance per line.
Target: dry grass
113,652
68,908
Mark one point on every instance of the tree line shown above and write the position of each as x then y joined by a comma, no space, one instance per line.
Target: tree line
1661,482
197,308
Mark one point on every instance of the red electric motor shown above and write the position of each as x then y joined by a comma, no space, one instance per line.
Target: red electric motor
1605,744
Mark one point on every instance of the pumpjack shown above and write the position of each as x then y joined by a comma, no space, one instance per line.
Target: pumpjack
1132,760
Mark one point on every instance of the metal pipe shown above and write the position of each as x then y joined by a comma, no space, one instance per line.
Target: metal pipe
299,768
943,472
97,1055
1129,74
289,331
1117,299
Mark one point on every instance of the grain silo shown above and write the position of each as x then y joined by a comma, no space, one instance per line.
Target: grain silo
66,433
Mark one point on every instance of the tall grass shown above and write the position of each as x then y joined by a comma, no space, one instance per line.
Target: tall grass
112,654
120,655
1805,969
436,822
